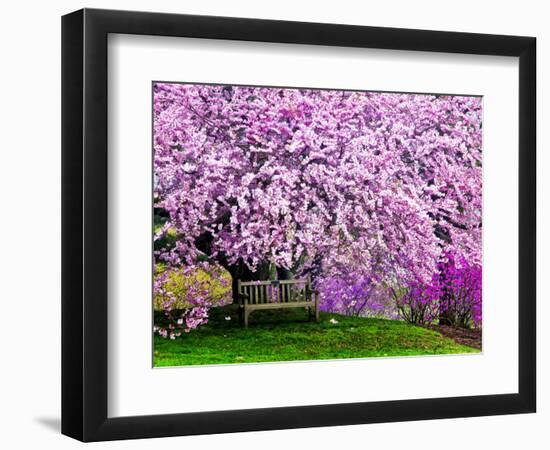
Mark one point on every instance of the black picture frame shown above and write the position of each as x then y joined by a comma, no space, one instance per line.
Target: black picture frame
84,224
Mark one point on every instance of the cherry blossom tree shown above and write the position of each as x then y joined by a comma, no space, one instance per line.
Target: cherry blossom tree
259,180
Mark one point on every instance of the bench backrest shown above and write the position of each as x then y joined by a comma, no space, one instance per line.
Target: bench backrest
276,291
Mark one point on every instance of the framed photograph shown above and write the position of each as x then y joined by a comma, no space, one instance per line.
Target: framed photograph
273,224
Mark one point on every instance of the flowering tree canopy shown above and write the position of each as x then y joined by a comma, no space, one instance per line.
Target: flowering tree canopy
306,180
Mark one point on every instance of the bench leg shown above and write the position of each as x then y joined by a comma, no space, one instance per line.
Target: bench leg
241,313
316,308
246,313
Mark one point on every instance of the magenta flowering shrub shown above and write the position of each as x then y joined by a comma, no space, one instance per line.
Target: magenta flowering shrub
417,301
452,297
461,286
186,295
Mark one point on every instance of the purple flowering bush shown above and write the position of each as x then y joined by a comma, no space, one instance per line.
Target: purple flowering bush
418,302
452,297
461,285
353,296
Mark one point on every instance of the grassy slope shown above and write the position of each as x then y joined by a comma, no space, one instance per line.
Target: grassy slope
286,335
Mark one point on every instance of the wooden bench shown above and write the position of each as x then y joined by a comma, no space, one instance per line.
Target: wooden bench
256,295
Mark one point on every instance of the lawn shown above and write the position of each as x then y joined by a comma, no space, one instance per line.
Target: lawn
287,335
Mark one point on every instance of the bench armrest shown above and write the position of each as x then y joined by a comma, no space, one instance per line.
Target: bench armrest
243,297
312,292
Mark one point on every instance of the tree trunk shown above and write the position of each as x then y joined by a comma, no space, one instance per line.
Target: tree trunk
238,271
444,318
284,274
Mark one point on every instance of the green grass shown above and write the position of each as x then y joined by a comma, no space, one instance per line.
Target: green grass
287,335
